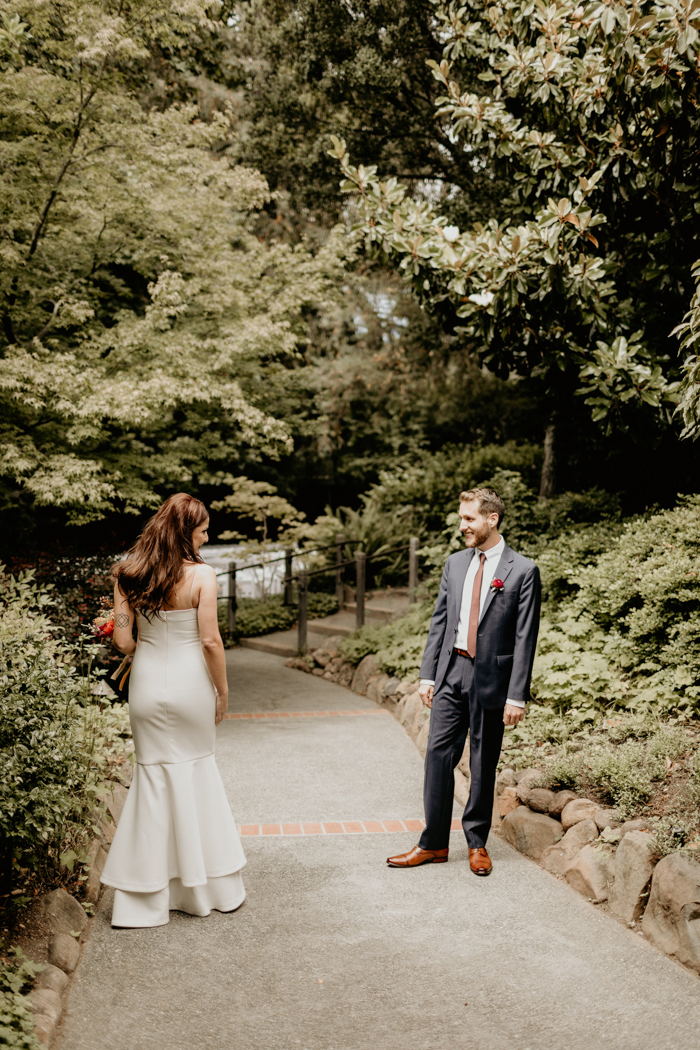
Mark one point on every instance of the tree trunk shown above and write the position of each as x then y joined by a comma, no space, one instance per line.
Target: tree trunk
547,477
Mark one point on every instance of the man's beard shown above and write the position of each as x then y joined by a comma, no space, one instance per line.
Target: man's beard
478,535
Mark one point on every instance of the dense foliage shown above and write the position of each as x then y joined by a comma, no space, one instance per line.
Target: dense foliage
310,68
16,1017
145,325
255,616
631,761
587,114
53,735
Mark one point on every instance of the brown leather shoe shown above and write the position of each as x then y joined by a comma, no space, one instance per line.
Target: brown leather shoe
417,856
479,861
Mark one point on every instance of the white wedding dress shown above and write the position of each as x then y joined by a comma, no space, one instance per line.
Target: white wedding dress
176,846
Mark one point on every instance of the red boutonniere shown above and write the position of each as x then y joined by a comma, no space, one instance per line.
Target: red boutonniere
497,585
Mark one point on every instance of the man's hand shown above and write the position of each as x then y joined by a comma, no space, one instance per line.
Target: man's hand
512,715
426,694
221,706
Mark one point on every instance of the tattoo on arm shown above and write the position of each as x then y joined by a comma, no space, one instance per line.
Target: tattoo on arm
121,620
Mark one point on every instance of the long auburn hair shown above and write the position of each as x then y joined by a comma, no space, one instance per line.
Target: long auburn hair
153,567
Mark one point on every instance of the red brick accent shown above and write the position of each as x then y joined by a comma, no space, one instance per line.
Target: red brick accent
237,715
336,827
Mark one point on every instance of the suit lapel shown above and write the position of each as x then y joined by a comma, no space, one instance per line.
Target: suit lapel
462,567
503,569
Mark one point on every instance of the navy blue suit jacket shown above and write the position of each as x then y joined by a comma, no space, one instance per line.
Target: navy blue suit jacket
507,634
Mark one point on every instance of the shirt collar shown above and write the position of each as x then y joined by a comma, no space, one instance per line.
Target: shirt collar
494,552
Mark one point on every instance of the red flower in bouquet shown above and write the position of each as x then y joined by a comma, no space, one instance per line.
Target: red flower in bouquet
497,585
103,625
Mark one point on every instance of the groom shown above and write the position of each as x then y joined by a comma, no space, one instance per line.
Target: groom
475,675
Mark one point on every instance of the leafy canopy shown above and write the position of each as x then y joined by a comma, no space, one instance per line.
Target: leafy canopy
588,115
139,310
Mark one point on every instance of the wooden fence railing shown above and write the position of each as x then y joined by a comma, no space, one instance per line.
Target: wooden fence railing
302,577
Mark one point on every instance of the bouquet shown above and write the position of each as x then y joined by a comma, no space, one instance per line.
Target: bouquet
103,625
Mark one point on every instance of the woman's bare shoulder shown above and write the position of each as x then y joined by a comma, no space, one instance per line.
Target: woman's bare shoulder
204,573
200,566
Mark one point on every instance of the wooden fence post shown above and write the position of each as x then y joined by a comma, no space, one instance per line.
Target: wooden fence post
339,586
288,555
231,597
361,564
413,545
303,610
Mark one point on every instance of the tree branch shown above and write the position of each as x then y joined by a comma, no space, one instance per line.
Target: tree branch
49,324
8,328
84,103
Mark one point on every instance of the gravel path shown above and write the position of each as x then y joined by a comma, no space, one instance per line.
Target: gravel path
333,951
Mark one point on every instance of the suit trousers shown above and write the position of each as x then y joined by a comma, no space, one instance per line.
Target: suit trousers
455,712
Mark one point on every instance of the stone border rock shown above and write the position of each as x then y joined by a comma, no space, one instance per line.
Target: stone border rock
605,859
326,662
70,924
602,857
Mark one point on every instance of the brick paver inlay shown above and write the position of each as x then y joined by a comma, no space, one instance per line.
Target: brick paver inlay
340,827
300,714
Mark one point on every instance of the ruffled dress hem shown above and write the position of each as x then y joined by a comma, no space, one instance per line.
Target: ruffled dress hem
145,910
125,888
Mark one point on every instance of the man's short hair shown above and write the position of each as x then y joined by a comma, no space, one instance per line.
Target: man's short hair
489,501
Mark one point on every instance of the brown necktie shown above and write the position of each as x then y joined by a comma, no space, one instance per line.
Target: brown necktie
474,610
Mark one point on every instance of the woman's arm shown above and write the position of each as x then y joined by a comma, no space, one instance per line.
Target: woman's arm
212,646
123,636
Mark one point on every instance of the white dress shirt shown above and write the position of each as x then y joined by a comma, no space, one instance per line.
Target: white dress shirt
493,556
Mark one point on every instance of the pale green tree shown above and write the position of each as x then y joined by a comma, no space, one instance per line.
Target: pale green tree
139,310
257,501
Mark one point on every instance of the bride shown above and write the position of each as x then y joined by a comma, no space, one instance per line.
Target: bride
176,847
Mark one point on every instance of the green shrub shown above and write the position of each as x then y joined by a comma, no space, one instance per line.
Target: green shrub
75,583
422,493
668,835
666,745
530,525
564,771
17,1023
255,617
52,732
398,645
575,666
622,775
16,1017
320,605
644,592
622,762
561,558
